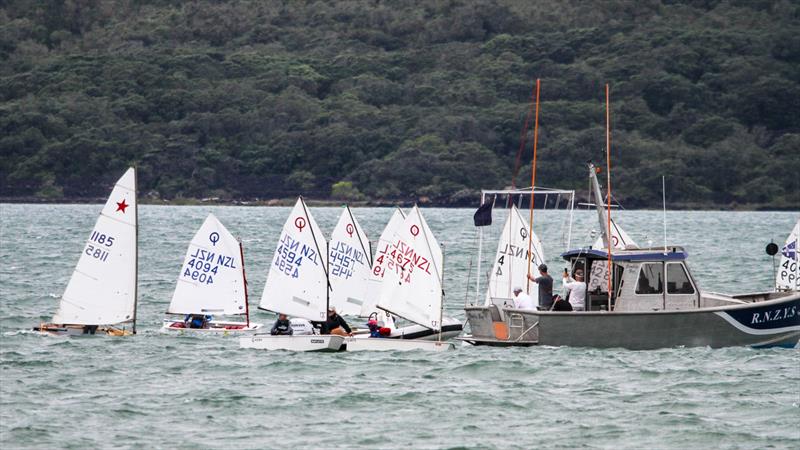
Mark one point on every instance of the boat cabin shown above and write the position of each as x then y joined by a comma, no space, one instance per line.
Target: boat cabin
647,279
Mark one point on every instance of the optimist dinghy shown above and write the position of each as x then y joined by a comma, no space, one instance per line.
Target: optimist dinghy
211,282
101,295
412,289
511,265
297,285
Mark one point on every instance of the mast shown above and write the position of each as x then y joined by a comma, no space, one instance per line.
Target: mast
608,197
533,186
522,137
441,302
136,246
244,280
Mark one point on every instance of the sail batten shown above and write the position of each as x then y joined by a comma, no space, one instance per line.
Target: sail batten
102,289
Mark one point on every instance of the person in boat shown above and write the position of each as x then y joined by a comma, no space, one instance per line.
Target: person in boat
545,283
575,289
374,328
522,300
561,304
335,324
197,320
282,326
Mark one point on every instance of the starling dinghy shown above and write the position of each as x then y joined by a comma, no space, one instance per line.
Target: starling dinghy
100,297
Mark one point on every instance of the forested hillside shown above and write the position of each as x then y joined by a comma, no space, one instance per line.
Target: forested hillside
397,101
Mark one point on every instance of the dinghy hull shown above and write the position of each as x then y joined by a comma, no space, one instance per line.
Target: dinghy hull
215,327
81,330
302,343
358,344
451,329
771,323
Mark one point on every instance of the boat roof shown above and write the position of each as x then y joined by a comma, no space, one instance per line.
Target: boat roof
673,253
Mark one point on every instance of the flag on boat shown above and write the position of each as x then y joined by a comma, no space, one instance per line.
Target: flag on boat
483,216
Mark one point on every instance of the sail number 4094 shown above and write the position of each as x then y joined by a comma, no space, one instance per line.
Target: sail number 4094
200,271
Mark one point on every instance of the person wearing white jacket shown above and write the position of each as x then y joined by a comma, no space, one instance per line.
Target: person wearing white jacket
576,290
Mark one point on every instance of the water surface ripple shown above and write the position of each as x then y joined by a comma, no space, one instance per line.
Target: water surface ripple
157,391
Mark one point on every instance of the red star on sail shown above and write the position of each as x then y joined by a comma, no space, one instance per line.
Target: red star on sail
122,205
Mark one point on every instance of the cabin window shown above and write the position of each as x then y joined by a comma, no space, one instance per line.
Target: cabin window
651,279
678,280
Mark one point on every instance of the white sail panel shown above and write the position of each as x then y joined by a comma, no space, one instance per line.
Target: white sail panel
381,259
510,268
297,281
788,276
619,238
412,285
102,290
598,277
211,280
350,265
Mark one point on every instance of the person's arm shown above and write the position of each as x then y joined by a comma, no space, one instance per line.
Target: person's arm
274,329
291,330
533,278
344,325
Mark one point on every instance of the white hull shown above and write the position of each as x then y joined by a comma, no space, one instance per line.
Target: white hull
358,344
451,329
215,327
301,343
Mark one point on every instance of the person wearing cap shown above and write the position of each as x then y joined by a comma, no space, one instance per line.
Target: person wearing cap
335,324
576,290
545,283
282,326
374,328
522,300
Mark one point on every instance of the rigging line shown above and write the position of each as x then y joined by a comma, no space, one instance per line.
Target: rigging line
360,241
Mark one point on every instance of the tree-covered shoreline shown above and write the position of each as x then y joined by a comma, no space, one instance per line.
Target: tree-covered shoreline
397,102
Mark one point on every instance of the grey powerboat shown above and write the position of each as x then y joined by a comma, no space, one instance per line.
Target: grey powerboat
654,303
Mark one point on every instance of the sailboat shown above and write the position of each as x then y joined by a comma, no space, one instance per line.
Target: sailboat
788,276
381,260
297,285
350,260
211,281
510,267
412,289
101,294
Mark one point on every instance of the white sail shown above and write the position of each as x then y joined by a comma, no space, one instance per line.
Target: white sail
412,284
619,239
379,262
102,290
211,280
788,276
350,263
598,277
510,268
297,280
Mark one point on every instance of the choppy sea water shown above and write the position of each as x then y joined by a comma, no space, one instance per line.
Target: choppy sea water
159,391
